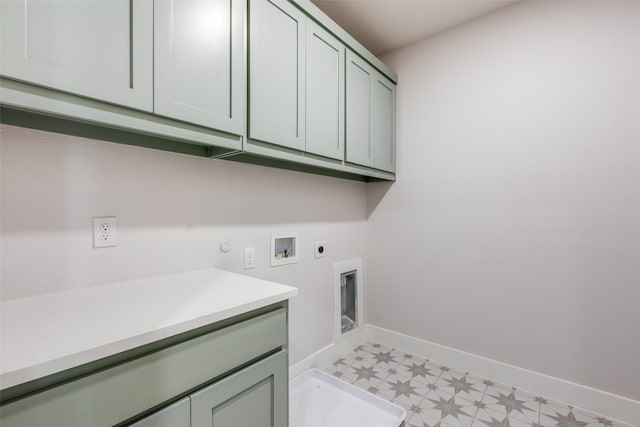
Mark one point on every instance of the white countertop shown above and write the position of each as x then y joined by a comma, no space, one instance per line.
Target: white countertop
45,334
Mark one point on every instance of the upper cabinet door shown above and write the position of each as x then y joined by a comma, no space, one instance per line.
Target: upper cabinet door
199,64
360,77
101,49
276,73
324,93
384,124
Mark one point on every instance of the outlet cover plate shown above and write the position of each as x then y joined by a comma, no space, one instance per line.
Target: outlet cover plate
105,233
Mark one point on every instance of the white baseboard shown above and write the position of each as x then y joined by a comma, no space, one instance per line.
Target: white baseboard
582,397
328,354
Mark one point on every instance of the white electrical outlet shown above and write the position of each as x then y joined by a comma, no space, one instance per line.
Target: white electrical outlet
249,258
105,234
320,249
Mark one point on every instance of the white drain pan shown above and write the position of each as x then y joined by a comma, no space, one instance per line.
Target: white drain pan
318,399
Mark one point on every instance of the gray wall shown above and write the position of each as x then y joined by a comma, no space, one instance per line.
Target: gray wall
513,231
173,211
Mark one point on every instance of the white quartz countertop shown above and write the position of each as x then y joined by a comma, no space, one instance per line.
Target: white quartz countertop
45,334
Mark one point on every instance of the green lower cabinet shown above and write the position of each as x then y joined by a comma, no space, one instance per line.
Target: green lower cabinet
234,374
255,396
176,415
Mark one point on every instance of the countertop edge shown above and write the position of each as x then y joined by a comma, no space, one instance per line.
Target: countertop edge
38,371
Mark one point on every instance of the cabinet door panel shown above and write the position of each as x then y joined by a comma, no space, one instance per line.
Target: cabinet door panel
324,93
384,119
199,67
96,48
276,81
175,415
256,396
358,120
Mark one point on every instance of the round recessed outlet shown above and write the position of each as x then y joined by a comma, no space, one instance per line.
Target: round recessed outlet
225,246
320,249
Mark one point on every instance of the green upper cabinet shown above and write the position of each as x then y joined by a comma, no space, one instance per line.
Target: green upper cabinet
384,123
360,78
272,82
296,81
199,62
324,69
276,73
370,116
101,49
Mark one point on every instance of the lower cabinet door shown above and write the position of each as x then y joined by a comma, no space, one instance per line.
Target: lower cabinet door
256,396
174,415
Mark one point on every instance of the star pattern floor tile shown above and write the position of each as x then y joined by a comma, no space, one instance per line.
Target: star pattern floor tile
435,395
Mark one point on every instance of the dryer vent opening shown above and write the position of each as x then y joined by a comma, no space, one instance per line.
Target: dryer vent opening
348,299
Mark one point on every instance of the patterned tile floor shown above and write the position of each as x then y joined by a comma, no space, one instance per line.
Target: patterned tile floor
437,396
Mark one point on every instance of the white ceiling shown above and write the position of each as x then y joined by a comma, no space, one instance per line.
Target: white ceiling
384,25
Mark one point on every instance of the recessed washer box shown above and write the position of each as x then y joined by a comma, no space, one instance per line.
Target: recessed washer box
284,249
